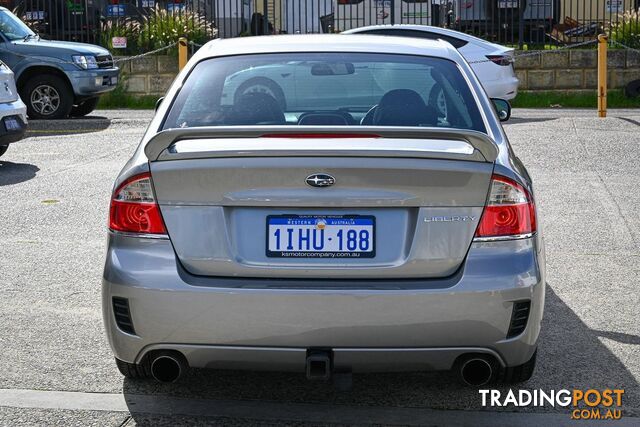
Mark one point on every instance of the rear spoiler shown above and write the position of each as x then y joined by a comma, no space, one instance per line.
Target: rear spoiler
447,143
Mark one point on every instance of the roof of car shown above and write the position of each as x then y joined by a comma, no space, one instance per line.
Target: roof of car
327,43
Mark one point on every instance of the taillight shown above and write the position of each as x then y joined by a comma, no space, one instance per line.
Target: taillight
502,60
510,211
134,208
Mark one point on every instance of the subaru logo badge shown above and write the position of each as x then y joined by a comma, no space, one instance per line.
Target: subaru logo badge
320,180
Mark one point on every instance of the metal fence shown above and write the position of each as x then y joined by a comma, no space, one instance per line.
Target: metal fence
145,24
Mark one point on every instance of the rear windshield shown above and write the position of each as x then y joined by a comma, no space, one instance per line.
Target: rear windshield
333,89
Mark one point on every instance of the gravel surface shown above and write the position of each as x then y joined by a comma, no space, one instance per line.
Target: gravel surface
54,195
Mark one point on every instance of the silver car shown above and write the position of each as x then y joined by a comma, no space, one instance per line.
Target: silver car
368,233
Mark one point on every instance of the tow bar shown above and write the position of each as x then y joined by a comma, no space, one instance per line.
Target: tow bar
319,364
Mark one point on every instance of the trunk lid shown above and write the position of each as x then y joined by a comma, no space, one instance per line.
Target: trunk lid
424,190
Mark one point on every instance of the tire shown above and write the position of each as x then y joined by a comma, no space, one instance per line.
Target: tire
47,97
134,371
264,85
85,107
520,373
3,149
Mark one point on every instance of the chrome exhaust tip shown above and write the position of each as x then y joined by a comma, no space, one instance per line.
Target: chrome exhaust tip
167,367
476,371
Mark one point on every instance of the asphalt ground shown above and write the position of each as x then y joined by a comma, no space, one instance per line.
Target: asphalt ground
54,195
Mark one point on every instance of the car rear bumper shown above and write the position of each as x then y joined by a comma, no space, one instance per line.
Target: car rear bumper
369,325
88,83
503,88
17,110
293,359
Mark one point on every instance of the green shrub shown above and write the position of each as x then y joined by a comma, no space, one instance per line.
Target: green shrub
161,28
627,30
127,27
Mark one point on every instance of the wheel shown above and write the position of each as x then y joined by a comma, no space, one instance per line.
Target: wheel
520,373
84,107
438,101
262,85
3,149
133,370
47,97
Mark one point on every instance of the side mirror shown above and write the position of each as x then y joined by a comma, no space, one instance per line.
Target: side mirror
503,108
158,102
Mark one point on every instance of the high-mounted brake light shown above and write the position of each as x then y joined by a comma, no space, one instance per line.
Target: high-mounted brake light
510,211
134,209
319,135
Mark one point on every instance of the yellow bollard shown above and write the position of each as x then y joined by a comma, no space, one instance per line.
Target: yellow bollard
602,75
182,52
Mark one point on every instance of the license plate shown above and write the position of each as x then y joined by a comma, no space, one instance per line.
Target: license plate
114,81
321,236
11,124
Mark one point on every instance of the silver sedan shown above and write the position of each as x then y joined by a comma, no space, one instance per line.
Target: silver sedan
346,227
